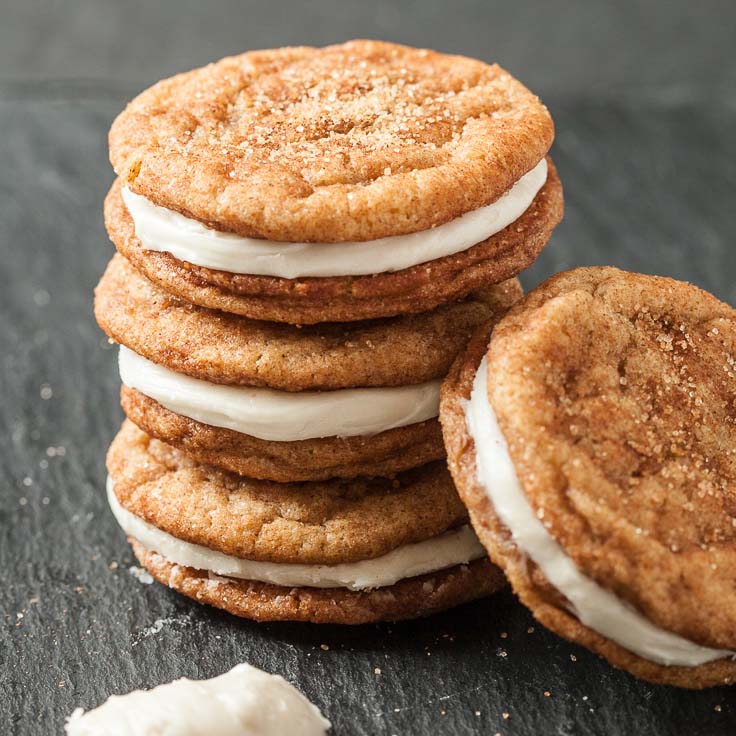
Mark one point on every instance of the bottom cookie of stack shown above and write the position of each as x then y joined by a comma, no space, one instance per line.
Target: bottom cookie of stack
338,551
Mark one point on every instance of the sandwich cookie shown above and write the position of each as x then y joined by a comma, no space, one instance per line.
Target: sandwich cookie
592,442
332,552
352,182
282,403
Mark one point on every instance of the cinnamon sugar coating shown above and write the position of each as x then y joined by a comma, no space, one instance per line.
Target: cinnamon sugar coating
351,142
616,394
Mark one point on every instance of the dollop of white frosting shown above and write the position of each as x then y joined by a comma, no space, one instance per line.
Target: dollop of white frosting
597,608
189,240
282,416
243,702
455,547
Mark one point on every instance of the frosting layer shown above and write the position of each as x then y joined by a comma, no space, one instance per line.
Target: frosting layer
282,416
189,240
456,547
597,608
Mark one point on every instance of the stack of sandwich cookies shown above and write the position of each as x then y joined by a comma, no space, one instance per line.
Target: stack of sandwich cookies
306,240
591,442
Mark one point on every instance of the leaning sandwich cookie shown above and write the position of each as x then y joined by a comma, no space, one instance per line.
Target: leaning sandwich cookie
591,440
330,552
277,402
352,182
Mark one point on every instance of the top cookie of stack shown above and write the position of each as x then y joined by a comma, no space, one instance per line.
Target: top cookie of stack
352,182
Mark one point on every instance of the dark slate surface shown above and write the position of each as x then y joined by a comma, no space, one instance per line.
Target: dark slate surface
650,181
655,47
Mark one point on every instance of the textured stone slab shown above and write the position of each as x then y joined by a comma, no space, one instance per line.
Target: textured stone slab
648,188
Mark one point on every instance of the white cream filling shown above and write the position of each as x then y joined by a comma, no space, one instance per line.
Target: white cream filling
596,607
243,701
282,416
189,240
455,547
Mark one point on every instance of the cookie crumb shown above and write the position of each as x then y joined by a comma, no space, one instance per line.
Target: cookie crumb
141,575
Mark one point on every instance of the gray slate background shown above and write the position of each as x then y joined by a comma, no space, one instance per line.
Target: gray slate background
644,97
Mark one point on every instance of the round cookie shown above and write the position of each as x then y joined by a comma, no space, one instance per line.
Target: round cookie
608,413
351,142
321,524
326,522
228,349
